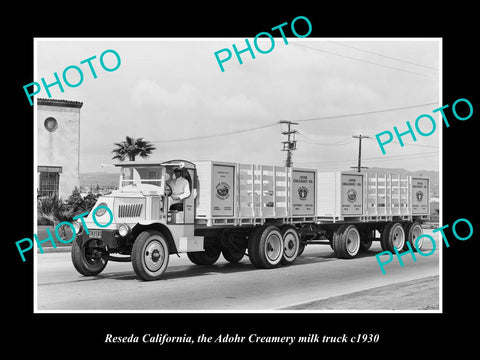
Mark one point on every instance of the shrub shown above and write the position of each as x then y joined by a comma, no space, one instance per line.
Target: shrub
53,209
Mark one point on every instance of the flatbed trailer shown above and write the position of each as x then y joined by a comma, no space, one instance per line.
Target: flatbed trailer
266,212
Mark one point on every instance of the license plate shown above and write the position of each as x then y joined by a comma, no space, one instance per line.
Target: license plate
97,234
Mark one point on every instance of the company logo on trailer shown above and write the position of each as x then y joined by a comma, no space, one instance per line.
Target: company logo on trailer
302,192
419,195
351,195
223,190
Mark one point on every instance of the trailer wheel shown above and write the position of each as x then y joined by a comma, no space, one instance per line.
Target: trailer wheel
393,237
346,241
265,247
366,239
412,231
150,255
207,257
291,245
87,256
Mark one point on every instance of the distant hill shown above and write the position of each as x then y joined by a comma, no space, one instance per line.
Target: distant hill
100,178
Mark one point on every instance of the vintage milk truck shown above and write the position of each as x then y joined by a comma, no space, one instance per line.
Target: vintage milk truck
266,212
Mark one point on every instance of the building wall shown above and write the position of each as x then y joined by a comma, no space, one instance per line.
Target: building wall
60,147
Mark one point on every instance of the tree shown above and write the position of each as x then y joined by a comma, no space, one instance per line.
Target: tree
131,148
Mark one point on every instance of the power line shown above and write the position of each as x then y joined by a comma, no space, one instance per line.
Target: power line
215,135
361,60
301,120
385,56
390,158
365,113
420,145
313,142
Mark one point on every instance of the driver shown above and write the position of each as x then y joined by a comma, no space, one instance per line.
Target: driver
180,190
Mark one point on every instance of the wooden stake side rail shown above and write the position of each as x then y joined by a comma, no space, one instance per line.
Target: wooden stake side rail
263,193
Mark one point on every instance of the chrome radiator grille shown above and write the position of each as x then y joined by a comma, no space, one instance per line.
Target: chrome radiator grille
129,210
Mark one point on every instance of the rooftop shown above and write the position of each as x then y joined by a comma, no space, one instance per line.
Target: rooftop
56,102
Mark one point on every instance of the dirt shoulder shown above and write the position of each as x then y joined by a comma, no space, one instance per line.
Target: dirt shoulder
421,294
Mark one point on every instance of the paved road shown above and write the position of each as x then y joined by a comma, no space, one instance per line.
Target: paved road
316,275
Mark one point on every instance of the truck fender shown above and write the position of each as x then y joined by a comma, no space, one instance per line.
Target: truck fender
156,225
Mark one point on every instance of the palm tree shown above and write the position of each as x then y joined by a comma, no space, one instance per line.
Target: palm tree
131,148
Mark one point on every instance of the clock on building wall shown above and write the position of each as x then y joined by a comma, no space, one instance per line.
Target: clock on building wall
50,124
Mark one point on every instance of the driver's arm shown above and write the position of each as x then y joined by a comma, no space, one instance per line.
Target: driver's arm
186,190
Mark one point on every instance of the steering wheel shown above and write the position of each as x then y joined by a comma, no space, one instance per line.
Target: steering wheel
168,190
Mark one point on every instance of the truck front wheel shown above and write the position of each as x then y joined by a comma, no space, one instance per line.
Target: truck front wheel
150,255
87,256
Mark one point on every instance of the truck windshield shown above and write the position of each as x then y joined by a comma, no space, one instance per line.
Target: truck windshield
141,175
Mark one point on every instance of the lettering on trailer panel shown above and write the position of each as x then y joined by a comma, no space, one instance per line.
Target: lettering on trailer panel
352,194
303,193
223,190
419,196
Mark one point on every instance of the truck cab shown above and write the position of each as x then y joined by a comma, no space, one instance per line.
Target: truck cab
142,225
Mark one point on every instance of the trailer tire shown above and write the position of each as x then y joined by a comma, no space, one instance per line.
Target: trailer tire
207,257
84,261
291,245
150,255
393,237
346,241
265,247
412,231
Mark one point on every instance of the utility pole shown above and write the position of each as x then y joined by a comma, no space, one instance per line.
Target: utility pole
360,137
291,143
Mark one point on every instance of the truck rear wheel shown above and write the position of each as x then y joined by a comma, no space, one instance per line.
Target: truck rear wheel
233,252
291,245
366,239
265,247
393,237
150,255
346,241
207,257
412,231
87,256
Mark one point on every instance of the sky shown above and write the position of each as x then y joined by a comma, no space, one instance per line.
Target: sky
171,92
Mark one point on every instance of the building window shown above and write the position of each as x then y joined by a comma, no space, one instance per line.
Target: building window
48,184
50,124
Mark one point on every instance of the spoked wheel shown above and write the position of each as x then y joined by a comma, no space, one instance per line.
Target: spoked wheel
346,241
150,255
291,245
265,247
393,237
88,256
412,232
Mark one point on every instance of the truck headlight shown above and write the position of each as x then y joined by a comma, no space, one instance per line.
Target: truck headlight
123,229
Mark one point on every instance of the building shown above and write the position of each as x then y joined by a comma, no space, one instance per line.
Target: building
58,146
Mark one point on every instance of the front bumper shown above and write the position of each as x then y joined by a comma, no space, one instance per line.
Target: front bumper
111,238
